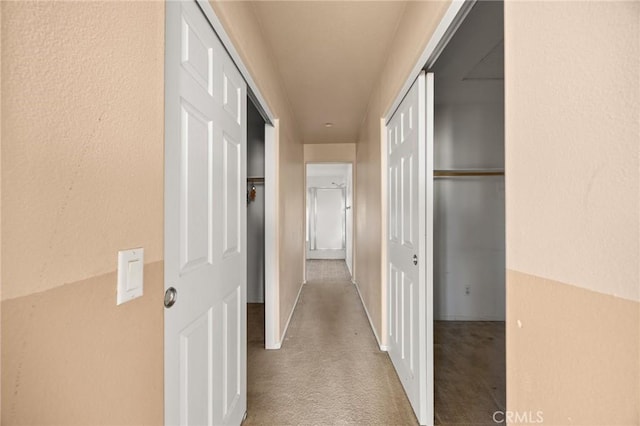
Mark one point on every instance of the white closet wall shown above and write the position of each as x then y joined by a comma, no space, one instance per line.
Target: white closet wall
469,228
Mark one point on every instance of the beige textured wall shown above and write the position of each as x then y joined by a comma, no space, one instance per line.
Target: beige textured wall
414,31
572,354
70,356
82,107
0,207
240,22
82,177
572,77
330,152
572,125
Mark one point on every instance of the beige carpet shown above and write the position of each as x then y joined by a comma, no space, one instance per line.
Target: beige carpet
329,370
327,271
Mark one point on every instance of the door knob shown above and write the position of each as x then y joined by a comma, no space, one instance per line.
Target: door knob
415,260
170,297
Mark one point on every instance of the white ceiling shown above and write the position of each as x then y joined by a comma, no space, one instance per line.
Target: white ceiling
471,67
329,55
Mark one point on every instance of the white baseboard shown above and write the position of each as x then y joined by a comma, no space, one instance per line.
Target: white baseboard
286,327
382,347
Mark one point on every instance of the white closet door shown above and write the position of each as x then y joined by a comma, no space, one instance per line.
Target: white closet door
205,225
410,245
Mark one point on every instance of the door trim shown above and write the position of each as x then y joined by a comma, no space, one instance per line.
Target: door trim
272,338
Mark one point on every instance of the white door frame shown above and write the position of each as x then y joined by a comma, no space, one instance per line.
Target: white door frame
272,338
271,253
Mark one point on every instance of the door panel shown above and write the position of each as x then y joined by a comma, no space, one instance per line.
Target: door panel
197,56
393,203
409,246
408,213
232,323
196,142
232,163
196,385
232,96
205,225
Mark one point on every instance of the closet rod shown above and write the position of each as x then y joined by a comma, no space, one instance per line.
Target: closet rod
462,173
255,180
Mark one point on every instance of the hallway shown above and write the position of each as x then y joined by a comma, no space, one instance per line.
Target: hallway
329,370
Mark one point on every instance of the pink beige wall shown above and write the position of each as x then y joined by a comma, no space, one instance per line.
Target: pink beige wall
82,177
0,212
573,218
414,31
239,20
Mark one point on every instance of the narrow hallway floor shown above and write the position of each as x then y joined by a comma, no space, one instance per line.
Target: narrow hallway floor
327,270
329,370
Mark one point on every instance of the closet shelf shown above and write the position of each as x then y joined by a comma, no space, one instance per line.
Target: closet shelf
468,172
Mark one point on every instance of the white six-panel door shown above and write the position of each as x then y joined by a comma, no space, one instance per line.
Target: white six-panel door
205,225
410,245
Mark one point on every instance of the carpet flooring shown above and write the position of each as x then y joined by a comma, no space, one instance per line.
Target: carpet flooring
330,370
327,271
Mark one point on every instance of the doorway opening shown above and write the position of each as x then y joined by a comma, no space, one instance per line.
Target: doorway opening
469,221
329,222
255,228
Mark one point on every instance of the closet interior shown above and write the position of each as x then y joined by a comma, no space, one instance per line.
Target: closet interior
255,225
469,221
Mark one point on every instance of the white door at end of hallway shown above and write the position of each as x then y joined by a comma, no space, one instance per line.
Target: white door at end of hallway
205,225
410,246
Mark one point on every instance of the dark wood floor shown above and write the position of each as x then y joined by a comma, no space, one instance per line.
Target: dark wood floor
469,372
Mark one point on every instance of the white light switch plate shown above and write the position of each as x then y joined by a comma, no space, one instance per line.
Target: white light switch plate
130,274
